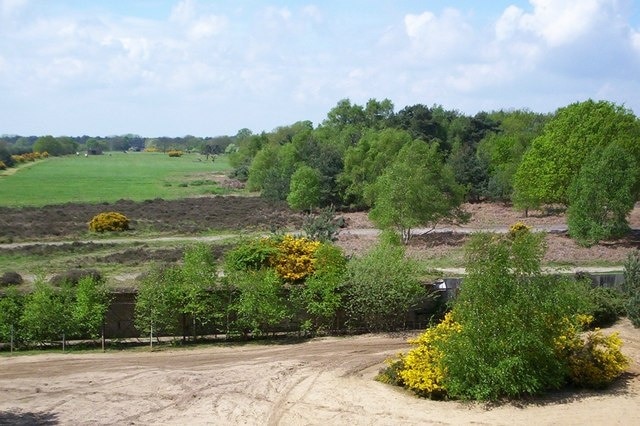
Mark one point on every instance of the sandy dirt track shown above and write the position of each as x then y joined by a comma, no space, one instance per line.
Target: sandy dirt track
326,381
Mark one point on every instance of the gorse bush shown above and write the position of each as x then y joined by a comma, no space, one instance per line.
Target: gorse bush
295,258
594,360
518,228
276,277
422,369
109,221
175,153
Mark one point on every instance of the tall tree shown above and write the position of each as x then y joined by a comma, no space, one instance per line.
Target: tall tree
554,160
602,196
366,161
417,189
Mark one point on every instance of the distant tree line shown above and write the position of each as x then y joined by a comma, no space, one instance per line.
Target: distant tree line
11,145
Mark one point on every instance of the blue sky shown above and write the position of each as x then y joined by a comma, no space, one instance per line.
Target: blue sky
207,68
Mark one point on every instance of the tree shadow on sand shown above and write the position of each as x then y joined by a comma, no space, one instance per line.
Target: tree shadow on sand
621,387
24,418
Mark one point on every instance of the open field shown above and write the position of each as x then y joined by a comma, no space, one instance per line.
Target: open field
109,177
318,382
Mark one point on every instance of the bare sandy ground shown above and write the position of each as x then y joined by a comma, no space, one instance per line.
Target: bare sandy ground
326,381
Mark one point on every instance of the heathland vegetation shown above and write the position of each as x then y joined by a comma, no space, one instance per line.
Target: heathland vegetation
511,331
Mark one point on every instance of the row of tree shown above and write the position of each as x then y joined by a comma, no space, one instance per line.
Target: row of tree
417,166
262,285
65,145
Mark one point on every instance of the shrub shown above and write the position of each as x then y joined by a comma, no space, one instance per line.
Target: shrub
295,258
259,302
608,305
323,226
320,295
11,307
90,306
175,153
10,278
109,221
381,287
518,228
46,314
250,255
2,165
633,308
594,360
422,370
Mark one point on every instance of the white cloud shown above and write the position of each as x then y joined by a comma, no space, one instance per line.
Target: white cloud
207,26
435,36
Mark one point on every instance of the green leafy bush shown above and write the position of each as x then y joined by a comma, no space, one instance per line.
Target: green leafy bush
259,302
608,305
381,287
320,296
46,314
632,287
11,308
250,255
109,221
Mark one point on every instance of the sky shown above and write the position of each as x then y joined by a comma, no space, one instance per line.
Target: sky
213,67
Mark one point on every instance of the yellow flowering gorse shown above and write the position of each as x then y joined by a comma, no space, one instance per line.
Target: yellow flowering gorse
422,370
296,258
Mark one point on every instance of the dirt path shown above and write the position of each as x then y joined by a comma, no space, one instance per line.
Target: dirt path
323,381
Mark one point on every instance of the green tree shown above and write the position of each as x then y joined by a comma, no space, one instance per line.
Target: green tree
320,296
381,287
5,155
470,170
632,287
304,190
602,196
47,313
418,189
503,149
271,170
365,162
11,307
48,144
258,303
198,276
554,159
157,306
90,307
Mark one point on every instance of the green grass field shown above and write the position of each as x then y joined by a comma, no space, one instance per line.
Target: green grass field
106,178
